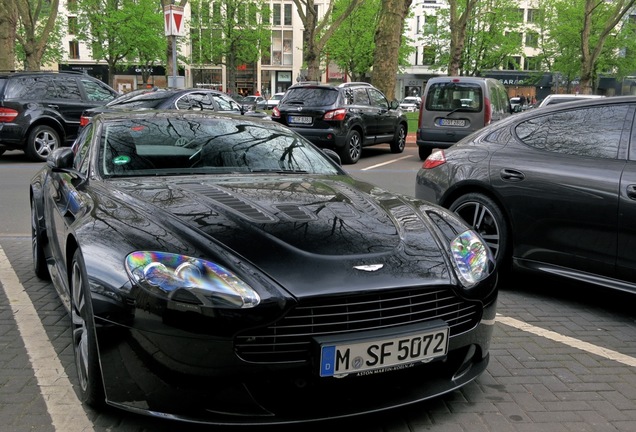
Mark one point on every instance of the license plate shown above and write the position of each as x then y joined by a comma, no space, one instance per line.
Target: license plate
382,354
299,120
452,122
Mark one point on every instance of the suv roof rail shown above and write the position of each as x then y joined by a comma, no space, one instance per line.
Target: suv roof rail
42,72
304,83
355,83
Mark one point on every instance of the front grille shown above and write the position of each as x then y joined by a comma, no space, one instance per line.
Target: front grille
289,340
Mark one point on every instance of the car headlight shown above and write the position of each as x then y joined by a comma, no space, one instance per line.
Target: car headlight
209,284
471,258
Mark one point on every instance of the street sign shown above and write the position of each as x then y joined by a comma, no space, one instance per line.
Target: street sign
173,20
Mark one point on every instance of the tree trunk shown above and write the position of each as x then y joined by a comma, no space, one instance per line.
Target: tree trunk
8,20
458,34
388,37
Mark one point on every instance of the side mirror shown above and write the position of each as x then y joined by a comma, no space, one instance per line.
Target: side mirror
332,155
61,159
395,104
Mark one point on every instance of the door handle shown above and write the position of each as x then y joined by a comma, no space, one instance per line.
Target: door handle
511,175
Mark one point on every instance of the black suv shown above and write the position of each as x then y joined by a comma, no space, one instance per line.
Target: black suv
40,111
345,118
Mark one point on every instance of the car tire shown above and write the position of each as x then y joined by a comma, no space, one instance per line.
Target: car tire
37,245
398,144
487,219
424,152
352,149
85,351
41,142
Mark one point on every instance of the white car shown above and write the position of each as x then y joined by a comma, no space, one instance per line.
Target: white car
552,99
411,103
271,102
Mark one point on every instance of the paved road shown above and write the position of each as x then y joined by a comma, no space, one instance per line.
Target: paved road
563,359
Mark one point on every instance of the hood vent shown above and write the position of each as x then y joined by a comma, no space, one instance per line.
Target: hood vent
236,205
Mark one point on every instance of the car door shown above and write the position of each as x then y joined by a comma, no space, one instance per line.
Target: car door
63,202
385,120
626,255
560,182
69,103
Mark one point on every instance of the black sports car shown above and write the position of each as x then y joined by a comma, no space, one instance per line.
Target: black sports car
551,190
221,269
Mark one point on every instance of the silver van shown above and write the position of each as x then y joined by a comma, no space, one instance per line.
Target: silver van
454,107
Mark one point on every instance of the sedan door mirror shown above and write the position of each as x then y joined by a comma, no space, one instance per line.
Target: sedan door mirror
61,159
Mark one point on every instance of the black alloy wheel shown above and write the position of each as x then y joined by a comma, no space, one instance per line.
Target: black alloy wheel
84,337
487,219
352,150
41,143
397,146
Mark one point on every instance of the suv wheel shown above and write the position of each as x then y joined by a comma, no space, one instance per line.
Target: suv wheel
352,150
42,141
398,144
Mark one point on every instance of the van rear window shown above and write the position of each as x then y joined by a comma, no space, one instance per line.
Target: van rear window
449,96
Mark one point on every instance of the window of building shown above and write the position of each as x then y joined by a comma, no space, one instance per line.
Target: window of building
428,55
532,39
516,37
281,48
532,63
288,15
513,63
430,24
72,25
276,15
73,50
534,15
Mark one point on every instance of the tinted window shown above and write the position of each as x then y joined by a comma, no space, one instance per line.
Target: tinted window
225,102
31,88
448,96
146,100
95,91
378,99
309,96
361,97
195,101
593,132
67,88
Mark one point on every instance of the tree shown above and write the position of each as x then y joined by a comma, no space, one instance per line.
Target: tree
35,27
233,33
318,32
8,26
388,39
460,13
119,30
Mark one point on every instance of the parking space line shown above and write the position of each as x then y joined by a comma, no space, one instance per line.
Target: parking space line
566,340
386,163
66,411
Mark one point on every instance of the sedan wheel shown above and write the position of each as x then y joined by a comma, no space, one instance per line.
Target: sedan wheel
42,141
397,146
39,261
84,338
352,150
488,220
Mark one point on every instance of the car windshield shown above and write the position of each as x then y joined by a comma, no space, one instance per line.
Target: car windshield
453,96
164,145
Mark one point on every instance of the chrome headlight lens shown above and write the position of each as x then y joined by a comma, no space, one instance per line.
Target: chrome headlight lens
167,274
471,258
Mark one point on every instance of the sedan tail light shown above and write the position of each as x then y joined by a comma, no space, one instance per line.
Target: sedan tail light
435,159
84,120
336,115
7,115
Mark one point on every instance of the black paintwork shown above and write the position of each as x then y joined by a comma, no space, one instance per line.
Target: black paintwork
294,237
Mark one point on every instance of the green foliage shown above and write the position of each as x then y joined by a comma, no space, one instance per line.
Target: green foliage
231,31
31,31
122,30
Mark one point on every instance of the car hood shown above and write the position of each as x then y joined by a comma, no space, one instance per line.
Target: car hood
296,228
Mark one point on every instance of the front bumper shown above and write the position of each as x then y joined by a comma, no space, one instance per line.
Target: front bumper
200,379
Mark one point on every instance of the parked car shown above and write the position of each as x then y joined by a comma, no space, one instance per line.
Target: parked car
222,269
40,111
344,118
250,103
551,190
552,99
270,103
194,99
455,107
411,103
